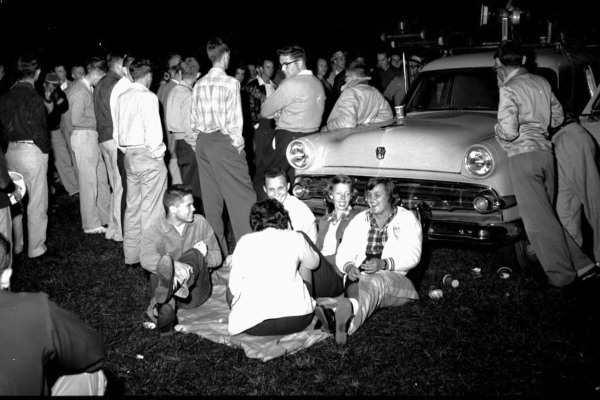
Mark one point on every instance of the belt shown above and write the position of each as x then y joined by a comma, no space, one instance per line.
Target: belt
24,141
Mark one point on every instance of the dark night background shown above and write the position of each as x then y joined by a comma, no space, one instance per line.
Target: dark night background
72,31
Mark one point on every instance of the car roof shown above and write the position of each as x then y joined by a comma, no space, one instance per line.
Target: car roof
544,58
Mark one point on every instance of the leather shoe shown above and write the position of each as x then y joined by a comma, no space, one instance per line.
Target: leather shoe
593,273
326,317
166,320
343,313
165,271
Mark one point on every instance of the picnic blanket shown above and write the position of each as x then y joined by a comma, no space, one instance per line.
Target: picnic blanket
383,289
210,322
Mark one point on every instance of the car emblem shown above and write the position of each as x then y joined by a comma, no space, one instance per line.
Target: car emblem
380,153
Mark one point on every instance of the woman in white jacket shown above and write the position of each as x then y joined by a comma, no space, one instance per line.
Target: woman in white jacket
380,246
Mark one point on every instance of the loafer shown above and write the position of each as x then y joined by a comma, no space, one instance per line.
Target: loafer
343,313
327,318
165,271
166,320
593,272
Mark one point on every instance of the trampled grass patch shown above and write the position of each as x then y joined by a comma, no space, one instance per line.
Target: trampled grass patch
486,337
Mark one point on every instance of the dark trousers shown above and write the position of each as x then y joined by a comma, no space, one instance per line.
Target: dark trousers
533,180
275,158
263,136
281,326
186,160
225,180
199,283
123,173
327,281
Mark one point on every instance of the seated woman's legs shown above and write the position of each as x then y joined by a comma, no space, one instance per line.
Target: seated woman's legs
326,280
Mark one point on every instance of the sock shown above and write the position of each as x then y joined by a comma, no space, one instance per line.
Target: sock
354,303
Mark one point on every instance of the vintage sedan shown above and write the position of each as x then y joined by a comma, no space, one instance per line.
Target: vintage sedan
443,152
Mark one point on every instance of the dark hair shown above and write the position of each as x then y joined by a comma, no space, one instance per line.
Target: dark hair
174,195
5,253
359,69
388,185
113,59
383,51
268,213
27,65
261,62
189,68
296,52
140,68
215,49
127,61
97,64
344,179
510,53
274,173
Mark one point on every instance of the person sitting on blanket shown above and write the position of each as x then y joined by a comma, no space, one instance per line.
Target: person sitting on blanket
327,280
179,251
267,293
383,242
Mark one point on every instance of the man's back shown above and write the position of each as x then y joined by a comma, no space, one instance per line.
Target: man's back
527,108
39,337
359,105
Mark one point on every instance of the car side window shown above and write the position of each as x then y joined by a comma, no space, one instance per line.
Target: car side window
573,88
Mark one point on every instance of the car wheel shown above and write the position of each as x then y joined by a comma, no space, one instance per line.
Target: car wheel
519,256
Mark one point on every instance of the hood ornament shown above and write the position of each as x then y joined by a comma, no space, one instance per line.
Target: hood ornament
380,153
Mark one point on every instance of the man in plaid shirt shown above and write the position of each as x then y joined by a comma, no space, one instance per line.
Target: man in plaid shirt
217,124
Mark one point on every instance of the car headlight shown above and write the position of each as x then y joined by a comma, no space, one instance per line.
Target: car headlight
299,154
479,161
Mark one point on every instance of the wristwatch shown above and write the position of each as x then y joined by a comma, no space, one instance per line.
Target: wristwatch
385,265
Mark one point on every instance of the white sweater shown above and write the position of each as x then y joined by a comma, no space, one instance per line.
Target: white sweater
402,249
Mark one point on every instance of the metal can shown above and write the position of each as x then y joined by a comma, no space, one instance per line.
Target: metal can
399,111
449,280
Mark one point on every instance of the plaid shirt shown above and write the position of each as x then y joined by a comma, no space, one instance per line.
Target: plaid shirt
216,105
378,237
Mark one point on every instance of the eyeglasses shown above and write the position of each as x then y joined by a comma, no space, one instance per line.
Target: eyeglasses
285,65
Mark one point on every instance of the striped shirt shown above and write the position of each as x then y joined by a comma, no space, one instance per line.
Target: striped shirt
217,106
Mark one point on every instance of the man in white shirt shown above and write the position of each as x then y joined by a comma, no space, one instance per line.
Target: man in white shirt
277,187
121,87
139,131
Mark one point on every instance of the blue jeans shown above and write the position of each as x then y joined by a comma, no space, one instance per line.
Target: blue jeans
29,161
146,185
94,192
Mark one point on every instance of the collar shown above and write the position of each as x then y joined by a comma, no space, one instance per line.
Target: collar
261,82
88,84
334,218
355,82
167,227
136,84
305,72
175,81
518,71
185,84
373,223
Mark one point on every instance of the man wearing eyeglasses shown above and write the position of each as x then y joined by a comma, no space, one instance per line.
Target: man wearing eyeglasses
297,107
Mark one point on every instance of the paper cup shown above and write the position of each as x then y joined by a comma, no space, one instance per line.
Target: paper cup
18,180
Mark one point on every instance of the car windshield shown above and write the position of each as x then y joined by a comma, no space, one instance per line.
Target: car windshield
454,89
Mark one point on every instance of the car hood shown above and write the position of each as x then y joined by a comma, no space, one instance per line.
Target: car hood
425,142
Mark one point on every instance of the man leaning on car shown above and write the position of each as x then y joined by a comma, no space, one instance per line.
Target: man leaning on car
527,107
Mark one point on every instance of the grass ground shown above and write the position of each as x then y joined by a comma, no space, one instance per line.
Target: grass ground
487,337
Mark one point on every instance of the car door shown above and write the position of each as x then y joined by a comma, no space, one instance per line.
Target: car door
590,117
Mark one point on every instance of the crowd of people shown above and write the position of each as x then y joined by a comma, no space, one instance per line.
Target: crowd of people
142,164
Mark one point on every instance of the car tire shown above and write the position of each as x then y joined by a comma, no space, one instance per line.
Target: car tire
519,256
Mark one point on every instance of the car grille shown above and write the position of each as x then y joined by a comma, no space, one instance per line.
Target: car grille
440,196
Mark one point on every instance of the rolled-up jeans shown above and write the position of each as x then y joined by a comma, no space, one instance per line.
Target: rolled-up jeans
28,160
94,192
146,185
